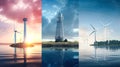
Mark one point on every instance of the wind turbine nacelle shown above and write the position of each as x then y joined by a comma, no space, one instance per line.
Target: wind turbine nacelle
24,19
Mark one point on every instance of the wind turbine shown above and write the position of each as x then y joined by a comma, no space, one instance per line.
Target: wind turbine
94,31
15,39
105,30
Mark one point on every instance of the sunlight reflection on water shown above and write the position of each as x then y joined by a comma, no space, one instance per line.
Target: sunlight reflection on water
33,54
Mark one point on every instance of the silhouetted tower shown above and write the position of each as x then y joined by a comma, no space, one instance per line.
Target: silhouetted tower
25,20
59,29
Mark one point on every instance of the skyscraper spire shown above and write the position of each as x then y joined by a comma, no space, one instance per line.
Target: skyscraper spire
59,28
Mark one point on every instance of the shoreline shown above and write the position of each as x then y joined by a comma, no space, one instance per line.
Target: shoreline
60,44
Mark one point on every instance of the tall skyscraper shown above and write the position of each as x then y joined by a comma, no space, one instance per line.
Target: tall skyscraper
59,28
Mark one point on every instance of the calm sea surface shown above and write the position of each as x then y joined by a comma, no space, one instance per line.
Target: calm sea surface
60,57
33,54
85,56
104,56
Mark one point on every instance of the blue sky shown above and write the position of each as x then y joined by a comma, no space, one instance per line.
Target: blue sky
97,13
69,9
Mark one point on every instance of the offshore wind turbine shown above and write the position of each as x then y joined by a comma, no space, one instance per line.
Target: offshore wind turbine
15,39
24,42
105,30
94,31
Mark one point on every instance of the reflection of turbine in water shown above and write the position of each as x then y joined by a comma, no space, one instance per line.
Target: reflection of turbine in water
61,58
95,53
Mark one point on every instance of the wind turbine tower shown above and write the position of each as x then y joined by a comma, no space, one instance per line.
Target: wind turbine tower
15,31
94,31
24,50
15,40
25,20
106,31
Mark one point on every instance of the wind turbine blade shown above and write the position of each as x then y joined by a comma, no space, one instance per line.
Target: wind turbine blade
108,24
18,32
93,27
91,33
103,24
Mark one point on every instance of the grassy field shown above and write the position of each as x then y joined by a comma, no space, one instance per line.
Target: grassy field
59,44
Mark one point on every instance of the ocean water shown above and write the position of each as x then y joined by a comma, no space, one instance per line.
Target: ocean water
85,56
99,56
60,57
33,54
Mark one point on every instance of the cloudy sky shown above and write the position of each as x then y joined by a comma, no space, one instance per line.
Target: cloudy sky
102,14
69,9
78,15
99,13
12,12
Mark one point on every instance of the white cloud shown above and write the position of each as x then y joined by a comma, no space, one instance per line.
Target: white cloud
49,14
55,6
32,17
35,0
20,5
75,29
5,19
1,9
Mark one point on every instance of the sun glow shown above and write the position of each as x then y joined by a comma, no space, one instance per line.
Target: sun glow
30,39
